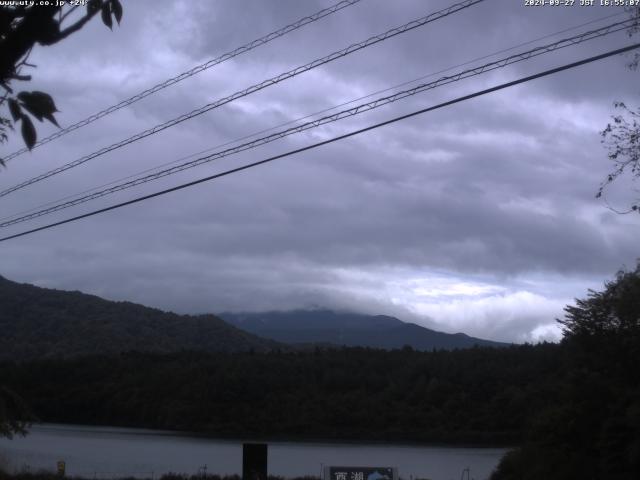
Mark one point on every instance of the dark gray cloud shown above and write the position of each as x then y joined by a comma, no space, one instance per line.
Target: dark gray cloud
480,217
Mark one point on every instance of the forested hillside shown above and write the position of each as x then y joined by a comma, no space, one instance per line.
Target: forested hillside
39,322
573,408
590,427
479,395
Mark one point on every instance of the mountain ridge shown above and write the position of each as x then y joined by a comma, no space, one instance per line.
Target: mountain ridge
40,322
349,329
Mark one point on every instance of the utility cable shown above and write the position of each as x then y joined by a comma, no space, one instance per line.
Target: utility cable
331,140
254,88
189,73
311,115
365,107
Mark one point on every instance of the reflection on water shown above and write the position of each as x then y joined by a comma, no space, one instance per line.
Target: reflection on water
103,452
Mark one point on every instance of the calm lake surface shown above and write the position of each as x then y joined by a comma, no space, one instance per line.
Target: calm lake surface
105,452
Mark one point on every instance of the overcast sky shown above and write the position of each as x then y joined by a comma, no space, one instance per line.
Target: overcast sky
478,218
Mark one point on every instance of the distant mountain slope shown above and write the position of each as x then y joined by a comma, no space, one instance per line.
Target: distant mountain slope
325,326
39,322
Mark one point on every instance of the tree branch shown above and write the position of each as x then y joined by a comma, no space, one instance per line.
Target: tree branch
79,24
19,41
69,12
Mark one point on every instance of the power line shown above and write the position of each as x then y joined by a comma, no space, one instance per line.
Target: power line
377,103
331,140
189,73
254,88
311,115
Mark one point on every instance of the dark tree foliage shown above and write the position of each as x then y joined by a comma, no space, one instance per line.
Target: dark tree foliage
15,415
614,312
594,430
471,396
621,137
21,28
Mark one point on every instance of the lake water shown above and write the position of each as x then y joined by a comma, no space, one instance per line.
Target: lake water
104,452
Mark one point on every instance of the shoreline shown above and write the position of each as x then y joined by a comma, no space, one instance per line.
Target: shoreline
276,439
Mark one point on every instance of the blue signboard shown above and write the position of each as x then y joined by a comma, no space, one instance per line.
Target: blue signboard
360,473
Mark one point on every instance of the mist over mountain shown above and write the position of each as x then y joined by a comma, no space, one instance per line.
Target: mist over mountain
39,323
349,329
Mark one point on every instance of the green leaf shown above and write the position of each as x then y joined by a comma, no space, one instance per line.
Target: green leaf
14,108
33,112
44,99
39,104
116,8
106,15
28,132
51,118
46,104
